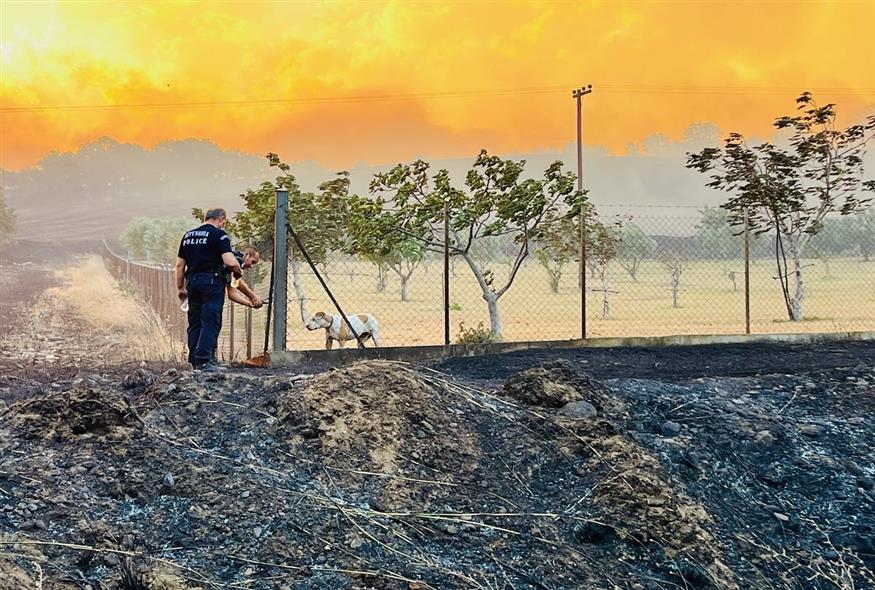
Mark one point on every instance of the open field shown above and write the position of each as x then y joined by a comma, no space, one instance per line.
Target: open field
839,297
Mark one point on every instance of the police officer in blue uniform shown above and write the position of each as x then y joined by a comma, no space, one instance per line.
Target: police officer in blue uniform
204,252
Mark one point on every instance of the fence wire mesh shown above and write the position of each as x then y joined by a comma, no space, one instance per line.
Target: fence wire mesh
666,271
667,275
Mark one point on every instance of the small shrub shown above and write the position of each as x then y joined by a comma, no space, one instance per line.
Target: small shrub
455,307
478,335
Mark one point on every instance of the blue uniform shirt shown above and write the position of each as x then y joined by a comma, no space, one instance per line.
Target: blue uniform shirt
226,272
202,249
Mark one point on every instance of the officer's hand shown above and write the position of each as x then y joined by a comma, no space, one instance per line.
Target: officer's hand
182,293
256,302
237,274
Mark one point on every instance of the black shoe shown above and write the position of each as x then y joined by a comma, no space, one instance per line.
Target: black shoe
209,367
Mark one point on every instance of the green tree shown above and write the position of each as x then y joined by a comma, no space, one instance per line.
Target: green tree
497,201
558,245
403,259
715,236
835,238
8,221
861,231
675,263
134,237
789,191
163,236
154,239
634,247
317,218
382,272
602,246
372,234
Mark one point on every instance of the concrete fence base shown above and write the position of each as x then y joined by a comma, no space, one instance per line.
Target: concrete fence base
427,353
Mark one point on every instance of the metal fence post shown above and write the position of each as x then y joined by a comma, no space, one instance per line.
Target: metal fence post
746,273
279,297
582,272
446,272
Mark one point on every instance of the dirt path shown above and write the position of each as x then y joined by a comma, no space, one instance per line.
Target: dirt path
64,321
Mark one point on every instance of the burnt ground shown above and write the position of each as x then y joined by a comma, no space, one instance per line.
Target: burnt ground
700,467
672,363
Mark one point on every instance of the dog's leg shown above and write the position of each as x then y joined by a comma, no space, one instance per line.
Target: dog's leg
328,342
375,336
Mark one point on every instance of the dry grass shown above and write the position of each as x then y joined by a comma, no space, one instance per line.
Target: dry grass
112,315
839,298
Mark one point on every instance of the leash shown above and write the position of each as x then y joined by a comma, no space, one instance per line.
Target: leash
303,250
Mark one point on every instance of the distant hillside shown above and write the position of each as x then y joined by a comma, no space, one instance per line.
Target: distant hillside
96,190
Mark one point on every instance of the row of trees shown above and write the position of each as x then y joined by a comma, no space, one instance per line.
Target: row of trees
620,242
402,220
787,192
606,243
154,239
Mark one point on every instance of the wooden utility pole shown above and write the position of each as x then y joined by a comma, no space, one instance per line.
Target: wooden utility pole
578,94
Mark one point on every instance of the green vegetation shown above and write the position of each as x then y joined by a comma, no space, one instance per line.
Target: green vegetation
790,191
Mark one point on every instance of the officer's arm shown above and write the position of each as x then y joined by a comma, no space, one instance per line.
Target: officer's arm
180,277
244,288
237,297
232,264
254,299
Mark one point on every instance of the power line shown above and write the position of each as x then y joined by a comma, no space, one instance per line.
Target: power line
673,89
291,101
739,90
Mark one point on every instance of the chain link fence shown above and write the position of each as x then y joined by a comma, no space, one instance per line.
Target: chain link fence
671,271
242,327
668,271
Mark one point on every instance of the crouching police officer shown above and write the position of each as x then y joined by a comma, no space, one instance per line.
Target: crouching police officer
236,289
203,254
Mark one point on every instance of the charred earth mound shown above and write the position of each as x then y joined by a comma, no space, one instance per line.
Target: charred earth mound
384,475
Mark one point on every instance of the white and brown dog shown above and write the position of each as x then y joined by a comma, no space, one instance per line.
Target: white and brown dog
364,324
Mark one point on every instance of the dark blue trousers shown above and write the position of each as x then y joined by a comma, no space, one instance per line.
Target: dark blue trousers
206,299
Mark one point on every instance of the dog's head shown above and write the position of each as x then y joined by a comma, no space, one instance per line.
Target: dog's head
320,320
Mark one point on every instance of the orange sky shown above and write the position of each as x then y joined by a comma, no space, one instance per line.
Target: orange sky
656,67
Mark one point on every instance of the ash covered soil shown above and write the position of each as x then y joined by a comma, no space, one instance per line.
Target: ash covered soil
693,467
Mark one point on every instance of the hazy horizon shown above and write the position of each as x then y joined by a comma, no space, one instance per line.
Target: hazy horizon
106,183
